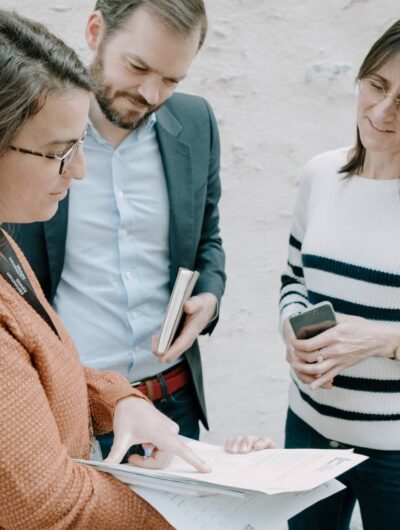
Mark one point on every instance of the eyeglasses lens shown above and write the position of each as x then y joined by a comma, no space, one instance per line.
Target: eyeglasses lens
68,159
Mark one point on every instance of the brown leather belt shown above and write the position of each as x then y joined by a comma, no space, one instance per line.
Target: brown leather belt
165,383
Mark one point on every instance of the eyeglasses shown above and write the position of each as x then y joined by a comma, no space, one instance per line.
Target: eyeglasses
64,159
375,92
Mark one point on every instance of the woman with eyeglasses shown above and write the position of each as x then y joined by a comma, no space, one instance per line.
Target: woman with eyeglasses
345,248
50,405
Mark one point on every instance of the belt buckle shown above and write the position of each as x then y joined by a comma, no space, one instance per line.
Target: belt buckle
148,384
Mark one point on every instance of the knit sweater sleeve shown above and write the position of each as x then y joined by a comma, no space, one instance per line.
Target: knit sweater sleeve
105,389
40,486
293,293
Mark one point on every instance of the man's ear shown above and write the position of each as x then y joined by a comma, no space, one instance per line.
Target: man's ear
95,29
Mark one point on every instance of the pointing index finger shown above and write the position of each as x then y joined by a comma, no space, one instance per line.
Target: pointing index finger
191,458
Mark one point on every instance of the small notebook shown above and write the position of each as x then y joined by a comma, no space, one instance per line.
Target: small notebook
183,288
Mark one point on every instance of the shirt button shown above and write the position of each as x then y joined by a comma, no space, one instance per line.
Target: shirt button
117,155
128,275
120,195
135,314
136,349
334,444
123,232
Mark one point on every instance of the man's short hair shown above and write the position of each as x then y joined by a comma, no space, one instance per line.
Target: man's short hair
179,16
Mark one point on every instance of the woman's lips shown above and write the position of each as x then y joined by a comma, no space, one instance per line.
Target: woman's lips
59,194
376,127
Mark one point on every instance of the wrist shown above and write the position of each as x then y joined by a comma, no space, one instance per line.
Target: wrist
125,400
212,304
393,344
396,352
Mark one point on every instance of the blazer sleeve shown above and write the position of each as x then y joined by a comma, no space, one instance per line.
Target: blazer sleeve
210,259
41,488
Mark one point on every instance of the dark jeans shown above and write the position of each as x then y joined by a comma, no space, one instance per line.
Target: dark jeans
181,407
375,483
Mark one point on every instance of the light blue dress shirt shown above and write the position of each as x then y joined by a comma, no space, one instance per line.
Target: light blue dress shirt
114,288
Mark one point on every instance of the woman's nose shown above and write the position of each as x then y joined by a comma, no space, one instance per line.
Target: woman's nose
77,167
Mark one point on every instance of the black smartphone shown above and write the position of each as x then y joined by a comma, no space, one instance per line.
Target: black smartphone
313,321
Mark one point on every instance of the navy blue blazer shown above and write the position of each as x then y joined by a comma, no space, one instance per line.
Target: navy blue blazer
188,138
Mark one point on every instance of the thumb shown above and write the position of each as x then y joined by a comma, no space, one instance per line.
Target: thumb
154,344
118,450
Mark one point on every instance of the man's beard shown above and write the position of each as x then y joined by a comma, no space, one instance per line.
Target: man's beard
105,98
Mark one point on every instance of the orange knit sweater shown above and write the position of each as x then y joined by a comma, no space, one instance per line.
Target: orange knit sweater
46,398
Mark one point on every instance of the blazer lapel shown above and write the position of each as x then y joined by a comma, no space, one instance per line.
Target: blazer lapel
176,156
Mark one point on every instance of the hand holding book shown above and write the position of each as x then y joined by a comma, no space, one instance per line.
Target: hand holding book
194,313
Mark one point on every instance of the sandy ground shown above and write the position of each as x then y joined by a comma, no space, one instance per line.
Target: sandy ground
280,76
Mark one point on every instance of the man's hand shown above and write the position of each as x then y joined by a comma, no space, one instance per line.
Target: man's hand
136,421
198,310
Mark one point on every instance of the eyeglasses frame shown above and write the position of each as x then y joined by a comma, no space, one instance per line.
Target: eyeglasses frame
61,159
385,93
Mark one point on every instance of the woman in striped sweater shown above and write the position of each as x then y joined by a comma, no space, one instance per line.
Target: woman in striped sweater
345,248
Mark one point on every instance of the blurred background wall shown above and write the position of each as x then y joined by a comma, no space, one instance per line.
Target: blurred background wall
280,76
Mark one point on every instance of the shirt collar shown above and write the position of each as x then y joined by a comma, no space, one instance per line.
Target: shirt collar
147,125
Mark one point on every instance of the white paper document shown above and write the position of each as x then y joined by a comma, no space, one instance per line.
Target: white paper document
270,472
221,512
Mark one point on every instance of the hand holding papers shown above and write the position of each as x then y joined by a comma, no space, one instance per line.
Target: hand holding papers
279,477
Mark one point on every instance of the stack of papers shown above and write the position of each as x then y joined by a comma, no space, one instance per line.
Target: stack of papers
221,512
261,489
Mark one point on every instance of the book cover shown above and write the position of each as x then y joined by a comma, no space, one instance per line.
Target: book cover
183,288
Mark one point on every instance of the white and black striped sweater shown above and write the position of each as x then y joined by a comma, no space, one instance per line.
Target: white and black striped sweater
345,247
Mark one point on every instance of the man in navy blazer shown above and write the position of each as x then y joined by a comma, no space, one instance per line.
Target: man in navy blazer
108,259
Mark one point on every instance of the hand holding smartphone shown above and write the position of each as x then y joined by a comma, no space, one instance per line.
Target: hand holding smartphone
313,321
